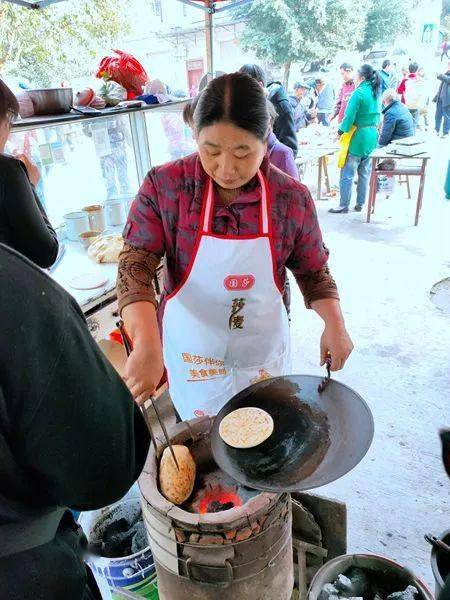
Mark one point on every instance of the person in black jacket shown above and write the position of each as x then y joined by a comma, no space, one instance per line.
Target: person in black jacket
442,100
70,436
284,126
23,223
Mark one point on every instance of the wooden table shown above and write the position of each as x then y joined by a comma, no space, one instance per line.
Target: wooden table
308,154
418,170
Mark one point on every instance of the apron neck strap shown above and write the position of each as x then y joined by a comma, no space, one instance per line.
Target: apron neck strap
264,206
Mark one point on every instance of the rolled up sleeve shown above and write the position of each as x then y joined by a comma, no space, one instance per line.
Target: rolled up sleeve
137,269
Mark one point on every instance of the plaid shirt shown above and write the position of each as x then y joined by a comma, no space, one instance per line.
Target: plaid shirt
164,218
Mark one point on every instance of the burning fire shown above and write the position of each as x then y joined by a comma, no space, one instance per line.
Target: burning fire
217,499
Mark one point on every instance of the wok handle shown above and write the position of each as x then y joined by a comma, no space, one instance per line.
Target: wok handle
323,384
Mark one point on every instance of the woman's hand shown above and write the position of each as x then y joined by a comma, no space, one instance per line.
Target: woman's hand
336,342
143,371
145,365
34,174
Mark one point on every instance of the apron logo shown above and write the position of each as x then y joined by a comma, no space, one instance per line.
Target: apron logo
216,367
235,283
236,321
206,374
201,360
199,413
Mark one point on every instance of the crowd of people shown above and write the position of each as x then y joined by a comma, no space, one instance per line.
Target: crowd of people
316,101
372,108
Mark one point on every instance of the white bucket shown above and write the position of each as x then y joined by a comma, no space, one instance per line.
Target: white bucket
135,573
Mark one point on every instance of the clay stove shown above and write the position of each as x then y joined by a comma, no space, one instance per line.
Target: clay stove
227,541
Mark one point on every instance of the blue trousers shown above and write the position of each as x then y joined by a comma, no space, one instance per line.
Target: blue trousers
115,170
323,119
355,164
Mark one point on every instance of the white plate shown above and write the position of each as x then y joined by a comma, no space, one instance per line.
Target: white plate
88,281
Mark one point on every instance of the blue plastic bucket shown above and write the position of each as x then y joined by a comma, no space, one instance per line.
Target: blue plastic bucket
135,573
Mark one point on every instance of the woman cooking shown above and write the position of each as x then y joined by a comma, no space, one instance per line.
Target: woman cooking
228,225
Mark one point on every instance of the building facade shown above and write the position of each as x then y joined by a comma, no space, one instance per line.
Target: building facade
168,37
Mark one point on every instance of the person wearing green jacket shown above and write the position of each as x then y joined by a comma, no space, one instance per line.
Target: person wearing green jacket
363,111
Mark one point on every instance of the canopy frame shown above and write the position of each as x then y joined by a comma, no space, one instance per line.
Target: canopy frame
33,5
209,7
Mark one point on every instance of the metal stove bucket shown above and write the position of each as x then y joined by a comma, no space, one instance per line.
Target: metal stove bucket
382,566
437,563
243,553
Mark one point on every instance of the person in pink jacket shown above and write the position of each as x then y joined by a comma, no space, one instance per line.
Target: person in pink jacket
347,89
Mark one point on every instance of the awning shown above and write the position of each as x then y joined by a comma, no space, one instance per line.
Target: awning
206,5
34,4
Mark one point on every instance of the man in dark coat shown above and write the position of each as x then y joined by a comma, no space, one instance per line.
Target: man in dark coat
397,119
442,100
301,103
284,127
70,436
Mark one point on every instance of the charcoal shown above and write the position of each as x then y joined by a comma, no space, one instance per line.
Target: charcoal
140,540
328,592
115,528
121,538
409,594
119,545
115,539
216,506
344,585
359,583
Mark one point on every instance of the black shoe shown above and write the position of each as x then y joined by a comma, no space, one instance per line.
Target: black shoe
339,210
358,208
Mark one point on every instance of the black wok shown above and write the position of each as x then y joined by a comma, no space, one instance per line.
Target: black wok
318,436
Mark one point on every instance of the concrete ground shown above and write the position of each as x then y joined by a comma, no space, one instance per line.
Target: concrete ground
400,364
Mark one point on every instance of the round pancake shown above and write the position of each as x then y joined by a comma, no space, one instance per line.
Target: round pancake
246,427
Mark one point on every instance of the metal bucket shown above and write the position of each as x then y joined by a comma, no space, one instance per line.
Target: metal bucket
135,573
435,556
372,562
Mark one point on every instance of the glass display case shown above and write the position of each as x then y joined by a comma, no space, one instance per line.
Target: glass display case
90,161
99,160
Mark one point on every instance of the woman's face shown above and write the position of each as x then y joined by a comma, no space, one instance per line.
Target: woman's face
5,128
229,154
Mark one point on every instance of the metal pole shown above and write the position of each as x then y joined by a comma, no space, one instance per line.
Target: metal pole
209,38
21,3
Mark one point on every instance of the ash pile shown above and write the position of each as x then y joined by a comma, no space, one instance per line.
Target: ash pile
360,584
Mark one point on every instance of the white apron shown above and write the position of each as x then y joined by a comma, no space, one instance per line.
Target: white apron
225,326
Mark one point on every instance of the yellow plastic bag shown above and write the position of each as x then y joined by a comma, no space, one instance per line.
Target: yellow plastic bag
344,143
